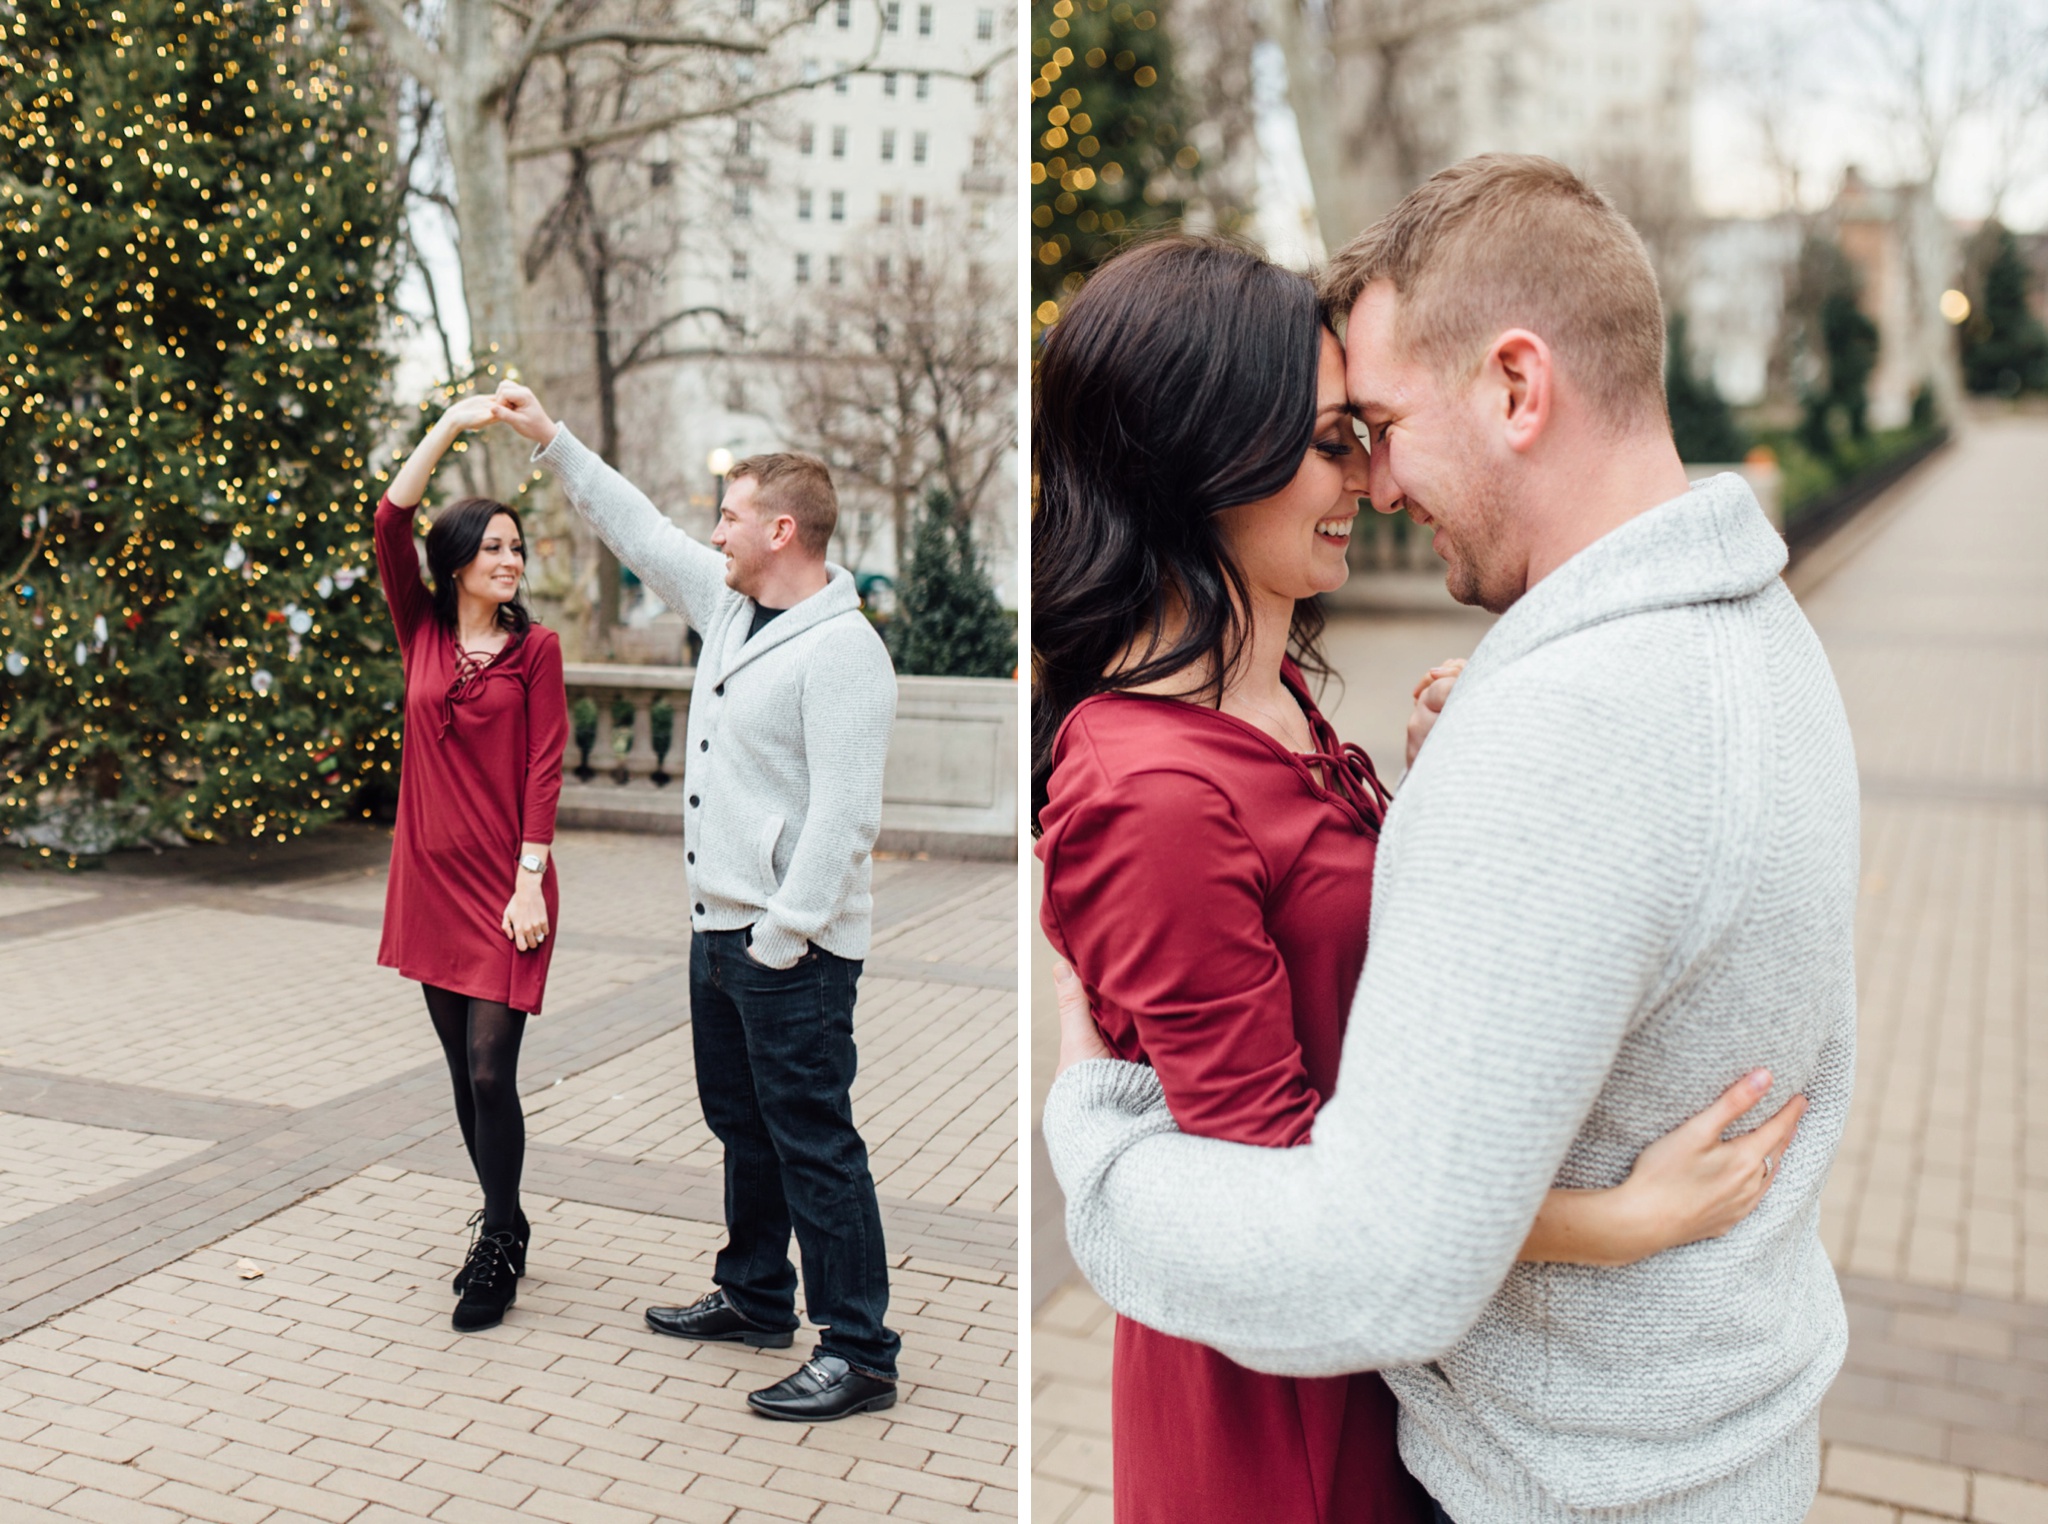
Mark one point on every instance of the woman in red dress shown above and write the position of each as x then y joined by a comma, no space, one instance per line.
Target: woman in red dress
471,900
1208,842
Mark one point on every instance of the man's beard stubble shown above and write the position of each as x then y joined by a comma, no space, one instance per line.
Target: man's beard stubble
1474,571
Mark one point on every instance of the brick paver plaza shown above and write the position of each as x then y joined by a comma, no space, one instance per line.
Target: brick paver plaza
1933,606
232,1194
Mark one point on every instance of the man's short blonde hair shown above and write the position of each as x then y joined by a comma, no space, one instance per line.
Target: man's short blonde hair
798,485
1506,241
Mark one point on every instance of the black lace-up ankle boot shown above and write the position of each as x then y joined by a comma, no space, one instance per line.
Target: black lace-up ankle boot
490,1284
522,1234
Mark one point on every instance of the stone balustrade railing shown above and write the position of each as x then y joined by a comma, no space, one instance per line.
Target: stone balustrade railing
950,787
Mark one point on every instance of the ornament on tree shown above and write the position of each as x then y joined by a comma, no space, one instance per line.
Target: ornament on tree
16,664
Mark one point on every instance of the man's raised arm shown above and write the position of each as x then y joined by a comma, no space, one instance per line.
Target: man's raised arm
1525,914
686,574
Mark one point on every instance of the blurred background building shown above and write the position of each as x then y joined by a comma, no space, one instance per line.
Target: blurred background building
1824,185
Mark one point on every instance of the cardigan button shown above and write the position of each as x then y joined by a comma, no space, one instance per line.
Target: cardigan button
700,910
689,857
693,801
703,746
719,690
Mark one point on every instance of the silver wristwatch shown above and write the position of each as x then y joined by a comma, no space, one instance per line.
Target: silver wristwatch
531,862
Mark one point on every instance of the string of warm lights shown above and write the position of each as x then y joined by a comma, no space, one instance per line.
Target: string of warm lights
195,252
1105,143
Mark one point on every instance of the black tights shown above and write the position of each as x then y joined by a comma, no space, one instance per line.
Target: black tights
481,1041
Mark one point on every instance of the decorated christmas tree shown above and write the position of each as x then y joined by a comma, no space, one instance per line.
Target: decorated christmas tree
1109,154
195,249
948,622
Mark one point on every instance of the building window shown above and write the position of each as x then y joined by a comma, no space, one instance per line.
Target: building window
885,209
888,81
806,138
882,275
739,264
892,16
917,211
842,14
924,87
838,142
982,90
888,144
813,71
839,206
803,269
800,334
660,174
742,138
746,10
981,153
831,333
803,206
977,215
920,146
835,271
743,200
743,70
924,21
841,83
984,26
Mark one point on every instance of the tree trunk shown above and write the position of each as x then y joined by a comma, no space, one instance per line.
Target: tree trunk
473,119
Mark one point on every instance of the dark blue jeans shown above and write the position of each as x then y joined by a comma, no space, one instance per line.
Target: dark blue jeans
1437,1514
775,1065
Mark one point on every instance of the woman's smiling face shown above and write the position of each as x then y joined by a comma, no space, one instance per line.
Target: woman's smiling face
493,577
1292,544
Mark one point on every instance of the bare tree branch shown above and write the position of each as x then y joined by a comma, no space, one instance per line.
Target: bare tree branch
638,37
639,353
412,52
601,137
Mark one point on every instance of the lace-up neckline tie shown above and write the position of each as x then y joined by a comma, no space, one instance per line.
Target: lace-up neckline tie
468,679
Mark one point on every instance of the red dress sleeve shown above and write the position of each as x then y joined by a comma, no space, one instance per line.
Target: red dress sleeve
1157,896
398,571
547,733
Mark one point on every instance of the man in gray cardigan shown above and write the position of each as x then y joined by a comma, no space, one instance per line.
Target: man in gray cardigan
782,792
1621,874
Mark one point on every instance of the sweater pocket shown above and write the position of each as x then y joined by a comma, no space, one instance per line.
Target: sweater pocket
770,834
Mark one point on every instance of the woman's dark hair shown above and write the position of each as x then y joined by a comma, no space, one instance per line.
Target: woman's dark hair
452,543
1181,380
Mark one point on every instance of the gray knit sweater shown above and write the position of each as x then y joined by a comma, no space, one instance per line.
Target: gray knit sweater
787,736
1621,874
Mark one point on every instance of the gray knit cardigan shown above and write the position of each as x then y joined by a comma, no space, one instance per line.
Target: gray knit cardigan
1621,874
787,736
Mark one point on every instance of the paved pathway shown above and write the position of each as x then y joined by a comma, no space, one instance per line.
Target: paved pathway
1934,610
201,1069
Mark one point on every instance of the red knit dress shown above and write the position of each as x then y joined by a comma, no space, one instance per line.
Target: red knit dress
1212,893
481,773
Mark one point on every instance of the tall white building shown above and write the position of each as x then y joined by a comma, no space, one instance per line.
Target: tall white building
907,153
904,136
1604,86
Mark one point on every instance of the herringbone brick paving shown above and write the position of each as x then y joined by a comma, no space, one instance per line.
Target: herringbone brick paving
232,1115
1931,608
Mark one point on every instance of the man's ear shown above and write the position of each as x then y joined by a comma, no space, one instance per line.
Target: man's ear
1522,373
782,532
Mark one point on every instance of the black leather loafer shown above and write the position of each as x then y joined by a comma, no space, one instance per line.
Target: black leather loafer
824,1389
711,1316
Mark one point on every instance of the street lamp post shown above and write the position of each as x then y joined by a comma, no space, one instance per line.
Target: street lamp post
720,462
